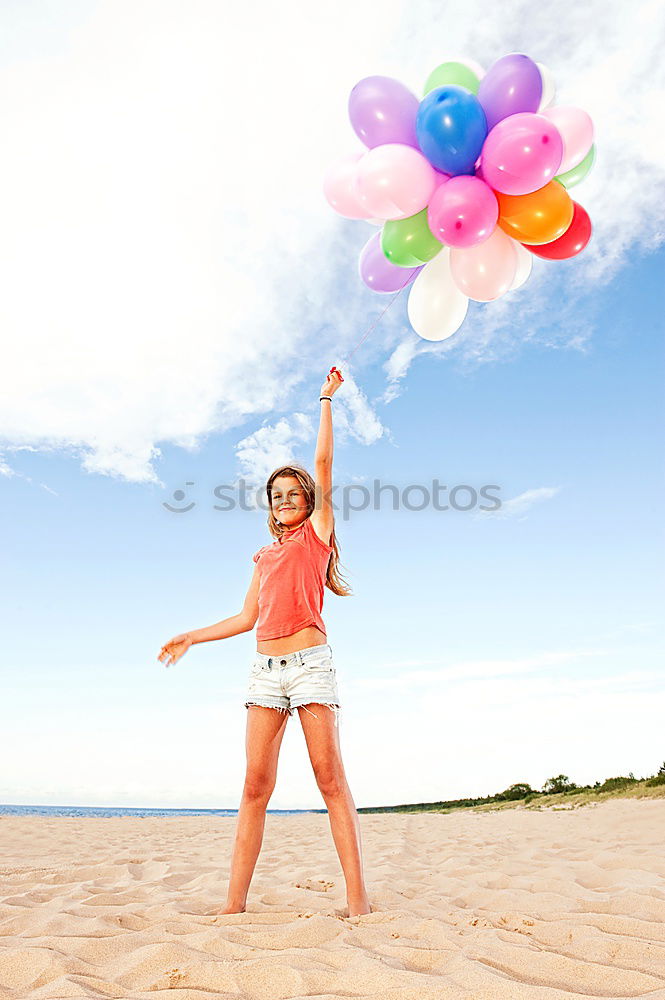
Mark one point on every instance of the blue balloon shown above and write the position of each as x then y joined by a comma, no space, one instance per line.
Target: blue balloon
451,128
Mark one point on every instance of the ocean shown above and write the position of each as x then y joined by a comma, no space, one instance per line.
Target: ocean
9,810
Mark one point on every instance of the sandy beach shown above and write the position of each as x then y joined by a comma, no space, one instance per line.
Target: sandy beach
533,904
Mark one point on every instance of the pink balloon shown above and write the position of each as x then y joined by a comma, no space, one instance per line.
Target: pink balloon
394,181
576,130
339,187
486,271
521,154
463,212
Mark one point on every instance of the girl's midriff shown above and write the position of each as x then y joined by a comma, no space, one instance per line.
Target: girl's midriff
304,637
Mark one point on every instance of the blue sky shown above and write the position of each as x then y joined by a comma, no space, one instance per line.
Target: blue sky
102,574
476,650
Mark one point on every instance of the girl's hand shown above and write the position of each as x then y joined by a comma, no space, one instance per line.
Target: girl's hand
175,648
332,382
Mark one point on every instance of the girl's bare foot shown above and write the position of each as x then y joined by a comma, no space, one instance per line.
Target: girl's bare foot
359,905
229,908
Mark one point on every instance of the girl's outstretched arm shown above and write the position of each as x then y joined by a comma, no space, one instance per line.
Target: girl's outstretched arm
323,515
244,621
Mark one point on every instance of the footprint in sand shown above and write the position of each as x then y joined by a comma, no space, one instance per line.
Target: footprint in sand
175,977
319,886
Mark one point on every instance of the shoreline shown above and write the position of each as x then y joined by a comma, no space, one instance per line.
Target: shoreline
575,799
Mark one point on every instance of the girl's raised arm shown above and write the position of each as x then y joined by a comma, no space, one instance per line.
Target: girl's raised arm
323,516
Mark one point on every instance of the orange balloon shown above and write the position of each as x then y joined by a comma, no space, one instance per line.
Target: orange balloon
536,218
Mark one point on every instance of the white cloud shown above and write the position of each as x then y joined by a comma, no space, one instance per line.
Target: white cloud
166,248
272,445
398,365
519,505
354,416
170,266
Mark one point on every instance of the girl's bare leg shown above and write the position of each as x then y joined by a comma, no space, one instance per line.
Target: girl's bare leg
264,734
322,738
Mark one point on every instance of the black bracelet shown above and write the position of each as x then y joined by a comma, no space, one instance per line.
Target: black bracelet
325,397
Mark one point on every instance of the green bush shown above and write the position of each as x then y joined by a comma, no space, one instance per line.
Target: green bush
516,791
562,783
658,779
614,784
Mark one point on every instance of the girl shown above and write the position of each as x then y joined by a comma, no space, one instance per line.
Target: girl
293,667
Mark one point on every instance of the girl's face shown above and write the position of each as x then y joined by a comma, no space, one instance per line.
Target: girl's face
288,501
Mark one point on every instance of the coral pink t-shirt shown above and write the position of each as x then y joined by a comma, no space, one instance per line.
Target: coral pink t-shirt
292,573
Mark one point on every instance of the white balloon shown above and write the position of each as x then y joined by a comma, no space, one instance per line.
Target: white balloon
549,88
375,222
436,307
524,265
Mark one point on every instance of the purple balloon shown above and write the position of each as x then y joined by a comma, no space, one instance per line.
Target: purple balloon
379,273
511,84
383,110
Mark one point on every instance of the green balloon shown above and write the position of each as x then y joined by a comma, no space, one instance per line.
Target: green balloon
409,242
578,173
452,72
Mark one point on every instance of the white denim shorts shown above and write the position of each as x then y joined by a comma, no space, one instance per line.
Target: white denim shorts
293,679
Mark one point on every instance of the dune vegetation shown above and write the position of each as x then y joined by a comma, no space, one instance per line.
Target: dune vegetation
558,792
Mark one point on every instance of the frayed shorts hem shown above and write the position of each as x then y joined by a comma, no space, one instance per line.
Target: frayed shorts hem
266,703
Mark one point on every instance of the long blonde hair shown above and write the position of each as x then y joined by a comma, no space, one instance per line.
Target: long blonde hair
334,579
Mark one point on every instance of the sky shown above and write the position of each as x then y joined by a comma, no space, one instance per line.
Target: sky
175,288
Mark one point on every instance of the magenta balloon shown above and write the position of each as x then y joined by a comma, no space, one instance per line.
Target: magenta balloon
463,212
521,154
511,84
382,110
380,274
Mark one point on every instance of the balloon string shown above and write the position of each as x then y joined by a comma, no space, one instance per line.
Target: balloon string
377,321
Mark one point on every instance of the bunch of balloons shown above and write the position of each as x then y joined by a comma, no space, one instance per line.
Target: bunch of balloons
467,184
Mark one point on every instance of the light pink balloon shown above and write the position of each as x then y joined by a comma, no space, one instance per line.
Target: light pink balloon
394,181
487,271
521,154
576,130
339,186
463,212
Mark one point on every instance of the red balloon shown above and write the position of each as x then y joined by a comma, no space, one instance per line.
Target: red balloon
570,243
